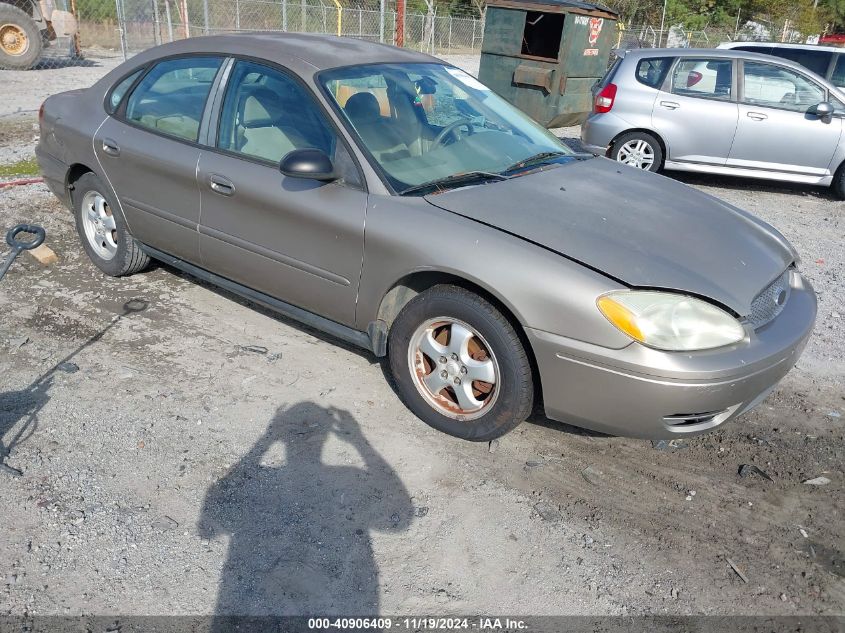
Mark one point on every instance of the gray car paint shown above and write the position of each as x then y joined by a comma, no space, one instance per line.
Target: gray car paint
393,247
711,136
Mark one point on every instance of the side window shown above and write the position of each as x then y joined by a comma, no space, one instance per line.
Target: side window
817,61
266,114
705,78
119,91
652,72
171,98
838,77
777,87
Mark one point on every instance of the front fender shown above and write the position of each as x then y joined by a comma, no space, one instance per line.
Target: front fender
542,289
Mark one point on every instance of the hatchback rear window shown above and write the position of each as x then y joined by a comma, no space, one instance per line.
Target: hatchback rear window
652,72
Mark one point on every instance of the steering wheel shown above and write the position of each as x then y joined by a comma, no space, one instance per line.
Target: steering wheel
450,130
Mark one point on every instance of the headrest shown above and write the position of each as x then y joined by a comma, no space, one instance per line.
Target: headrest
362,107
262,108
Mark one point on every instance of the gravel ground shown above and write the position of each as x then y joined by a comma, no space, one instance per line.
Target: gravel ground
186,452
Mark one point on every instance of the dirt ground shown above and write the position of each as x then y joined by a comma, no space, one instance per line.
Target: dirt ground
185,452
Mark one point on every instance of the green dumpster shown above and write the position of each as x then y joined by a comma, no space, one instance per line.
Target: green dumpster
545,55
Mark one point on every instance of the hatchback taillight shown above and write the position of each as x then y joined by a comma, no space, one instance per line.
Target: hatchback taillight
604,99
41,113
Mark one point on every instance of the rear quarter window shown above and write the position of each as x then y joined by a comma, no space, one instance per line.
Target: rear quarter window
652,72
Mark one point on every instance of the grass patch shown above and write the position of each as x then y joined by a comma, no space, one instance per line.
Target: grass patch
25,167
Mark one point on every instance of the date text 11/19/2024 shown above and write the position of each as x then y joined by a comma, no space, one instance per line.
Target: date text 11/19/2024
420,624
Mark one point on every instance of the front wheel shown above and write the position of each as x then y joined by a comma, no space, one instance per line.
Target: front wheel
459,364
839,182
638,149
20,39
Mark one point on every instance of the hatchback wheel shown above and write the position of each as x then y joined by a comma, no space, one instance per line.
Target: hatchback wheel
459,364
639,150
104,235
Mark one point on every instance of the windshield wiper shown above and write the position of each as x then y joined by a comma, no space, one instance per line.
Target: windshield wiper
535,159
465,178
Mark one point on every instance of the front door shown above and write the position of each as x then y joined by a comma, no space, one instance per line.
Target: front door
777,130
697,115
149,153
295,239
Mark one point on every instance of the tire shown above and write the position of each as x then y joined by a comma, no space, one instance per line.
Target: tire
20,39
638,149
447,313
838,185
103,233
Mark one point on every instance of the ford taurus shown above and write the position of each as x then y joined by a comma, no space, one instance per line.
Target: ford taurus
395,202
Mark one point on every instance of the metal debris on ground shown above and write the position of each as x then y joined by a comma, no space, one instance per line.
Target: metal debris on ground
747,470
254,349
817,481
737,570
668,445
492,446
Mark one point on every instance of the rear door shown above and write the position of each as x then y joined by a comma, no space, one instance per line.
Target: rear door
149,152
777,130
696,113
295,239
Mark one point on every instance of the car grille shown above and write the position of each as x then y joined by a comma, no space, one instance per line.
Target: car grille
770,303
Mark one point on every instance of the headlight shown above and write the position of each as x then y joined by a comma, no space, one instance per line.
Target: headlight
670,321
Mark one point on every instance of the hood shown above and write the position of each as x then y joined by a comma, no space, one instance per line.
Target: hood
641,229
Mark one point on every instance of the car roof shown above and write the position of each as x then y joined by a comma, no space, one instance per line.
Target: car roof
317,51
803,47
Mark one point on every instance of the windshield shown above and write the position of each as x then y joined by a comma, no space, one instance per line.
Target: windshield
424,123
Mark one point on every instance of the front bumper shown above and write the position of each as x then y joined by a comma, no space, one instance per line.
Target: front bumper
642,392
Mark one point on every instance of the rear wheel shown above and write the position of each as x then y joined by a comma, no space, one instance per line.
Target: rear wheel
459,364
638,149
20,39
104,235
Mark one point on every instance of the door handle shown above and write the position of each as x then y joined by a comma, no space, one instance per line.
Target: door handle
757,116
221,185
110,147
671,105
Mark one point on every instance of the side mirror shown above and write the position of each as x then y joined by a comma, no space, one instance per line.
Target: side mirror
824,110
308,163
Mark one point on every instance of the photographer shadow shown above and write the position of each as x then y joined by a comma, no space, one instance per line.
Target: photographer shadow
299,529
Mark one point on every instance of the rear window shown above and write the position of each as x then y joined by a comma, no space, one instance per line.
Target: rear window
652,72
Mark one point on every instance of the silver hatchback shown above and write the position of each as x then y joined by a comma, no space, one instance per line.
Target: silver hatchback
719,111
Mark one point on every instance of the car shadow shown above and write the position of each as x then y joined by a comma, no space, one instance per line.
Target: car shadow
263,310
300,529
750,185
19,409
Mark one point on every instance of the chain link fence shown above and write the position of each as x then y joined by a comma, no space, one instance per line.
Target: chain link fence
50,33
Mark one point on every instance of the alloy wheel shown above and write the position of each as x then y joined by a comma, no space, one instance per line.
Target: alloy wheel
453,368
98,222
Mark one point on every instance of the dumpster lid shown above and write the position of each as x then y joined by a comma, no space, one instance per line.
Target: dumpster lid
558,6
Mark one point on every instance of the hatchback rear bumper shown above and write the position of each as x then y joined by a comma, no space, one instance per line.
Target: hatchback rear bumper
641,392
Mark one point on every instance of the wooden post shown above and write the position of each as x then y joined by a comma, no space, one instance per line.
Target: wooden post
400,23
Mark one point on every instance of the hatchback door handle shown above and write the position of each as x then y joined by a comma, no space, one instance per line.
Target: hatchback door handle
757,116
221,185
671,105
110,147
